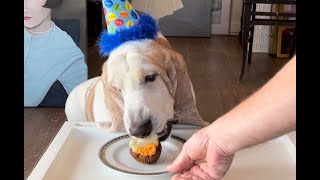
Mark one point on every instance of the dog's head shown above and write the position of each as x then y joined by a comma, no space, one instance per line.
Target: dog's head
142,75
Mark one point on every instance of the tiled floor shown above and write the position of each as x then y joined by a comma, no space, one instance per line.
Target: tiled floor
214,67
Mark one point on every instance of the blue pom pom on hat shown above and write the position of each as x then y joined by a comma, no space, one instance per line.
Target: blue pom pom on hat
123,25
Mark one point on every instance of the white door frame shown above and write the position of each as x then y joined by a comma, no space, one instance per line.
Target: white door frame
223,28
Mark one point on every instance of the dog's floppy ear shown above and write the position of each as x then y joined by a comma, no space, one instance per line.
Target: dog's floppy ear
89,102
169,76
161,40
171,70
185,108
114,103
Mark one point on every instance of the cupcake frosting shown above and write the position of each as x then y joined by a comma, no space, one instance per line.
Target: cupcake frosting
144,145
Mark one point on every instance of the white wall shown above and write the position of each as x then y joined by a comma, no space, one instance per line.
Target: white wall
235,16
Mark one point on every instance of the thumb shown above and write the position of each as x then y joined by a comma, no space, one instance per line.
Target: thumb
183,161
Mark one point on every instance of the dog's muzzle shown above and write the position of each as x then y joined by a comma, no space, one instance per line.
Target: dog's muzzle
166,131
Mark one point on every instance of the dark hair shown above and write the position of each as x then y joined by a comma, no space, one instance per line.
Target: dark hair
53,4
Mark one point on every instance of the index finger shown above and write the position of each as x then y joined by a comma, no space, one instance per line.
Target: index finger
182,162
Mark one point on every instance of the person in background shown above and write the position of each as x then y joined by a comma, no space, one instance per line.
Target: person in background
53,64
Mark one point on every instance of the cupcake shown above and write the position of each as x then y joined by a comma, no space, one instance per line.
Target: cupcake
146,150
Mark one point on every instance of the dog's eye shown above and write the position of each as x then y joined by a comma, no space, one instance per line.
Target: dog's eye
150,78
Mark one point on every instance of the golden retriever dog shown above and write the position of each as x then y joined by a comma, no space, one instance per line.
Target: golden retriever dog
143,89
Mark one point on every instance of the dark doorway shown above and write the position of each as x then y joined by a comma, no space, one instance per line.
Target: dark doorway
94,20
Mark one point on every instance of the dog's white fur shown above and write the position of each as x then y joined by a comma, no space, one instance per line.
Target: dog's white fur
120,98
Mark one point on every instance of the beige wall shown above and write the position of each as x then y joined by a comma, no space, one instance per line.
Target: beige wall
235,16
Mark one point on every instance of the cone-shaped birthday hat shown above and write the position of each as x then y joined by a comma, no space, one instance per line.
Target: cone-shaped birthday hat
124,24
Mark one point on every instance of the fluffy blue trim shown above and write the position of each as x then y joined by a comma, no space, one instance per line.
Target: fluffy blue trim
146,30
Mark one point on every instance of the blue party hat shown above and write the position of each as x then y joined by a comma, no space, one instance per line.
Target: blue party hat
124,24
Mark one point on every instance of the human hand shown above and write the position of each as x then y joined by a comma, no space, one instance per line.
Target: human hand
201,158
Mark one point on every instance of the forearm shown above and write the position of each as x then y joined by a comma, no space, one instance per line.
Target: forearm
269,113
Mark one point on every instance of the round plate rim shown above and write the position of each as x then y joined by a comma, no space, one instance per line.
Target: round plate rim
110,142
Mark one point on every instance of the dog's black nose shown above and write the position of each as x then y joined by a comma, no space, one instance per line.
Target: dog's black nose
144,130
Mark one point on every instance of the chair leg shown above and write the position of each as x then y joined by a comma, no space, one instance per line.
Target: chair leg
245,34
250,47
241,23
291,54
252,33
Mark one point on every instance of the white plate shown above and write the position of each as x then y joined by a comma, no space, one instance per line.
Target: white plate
115,154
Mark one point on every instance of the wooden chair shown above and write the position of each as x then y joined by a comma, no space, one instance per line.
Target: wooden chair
249,20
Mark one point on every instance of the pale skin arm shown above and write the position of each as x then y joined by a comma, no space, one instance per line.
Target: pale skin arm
267,114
